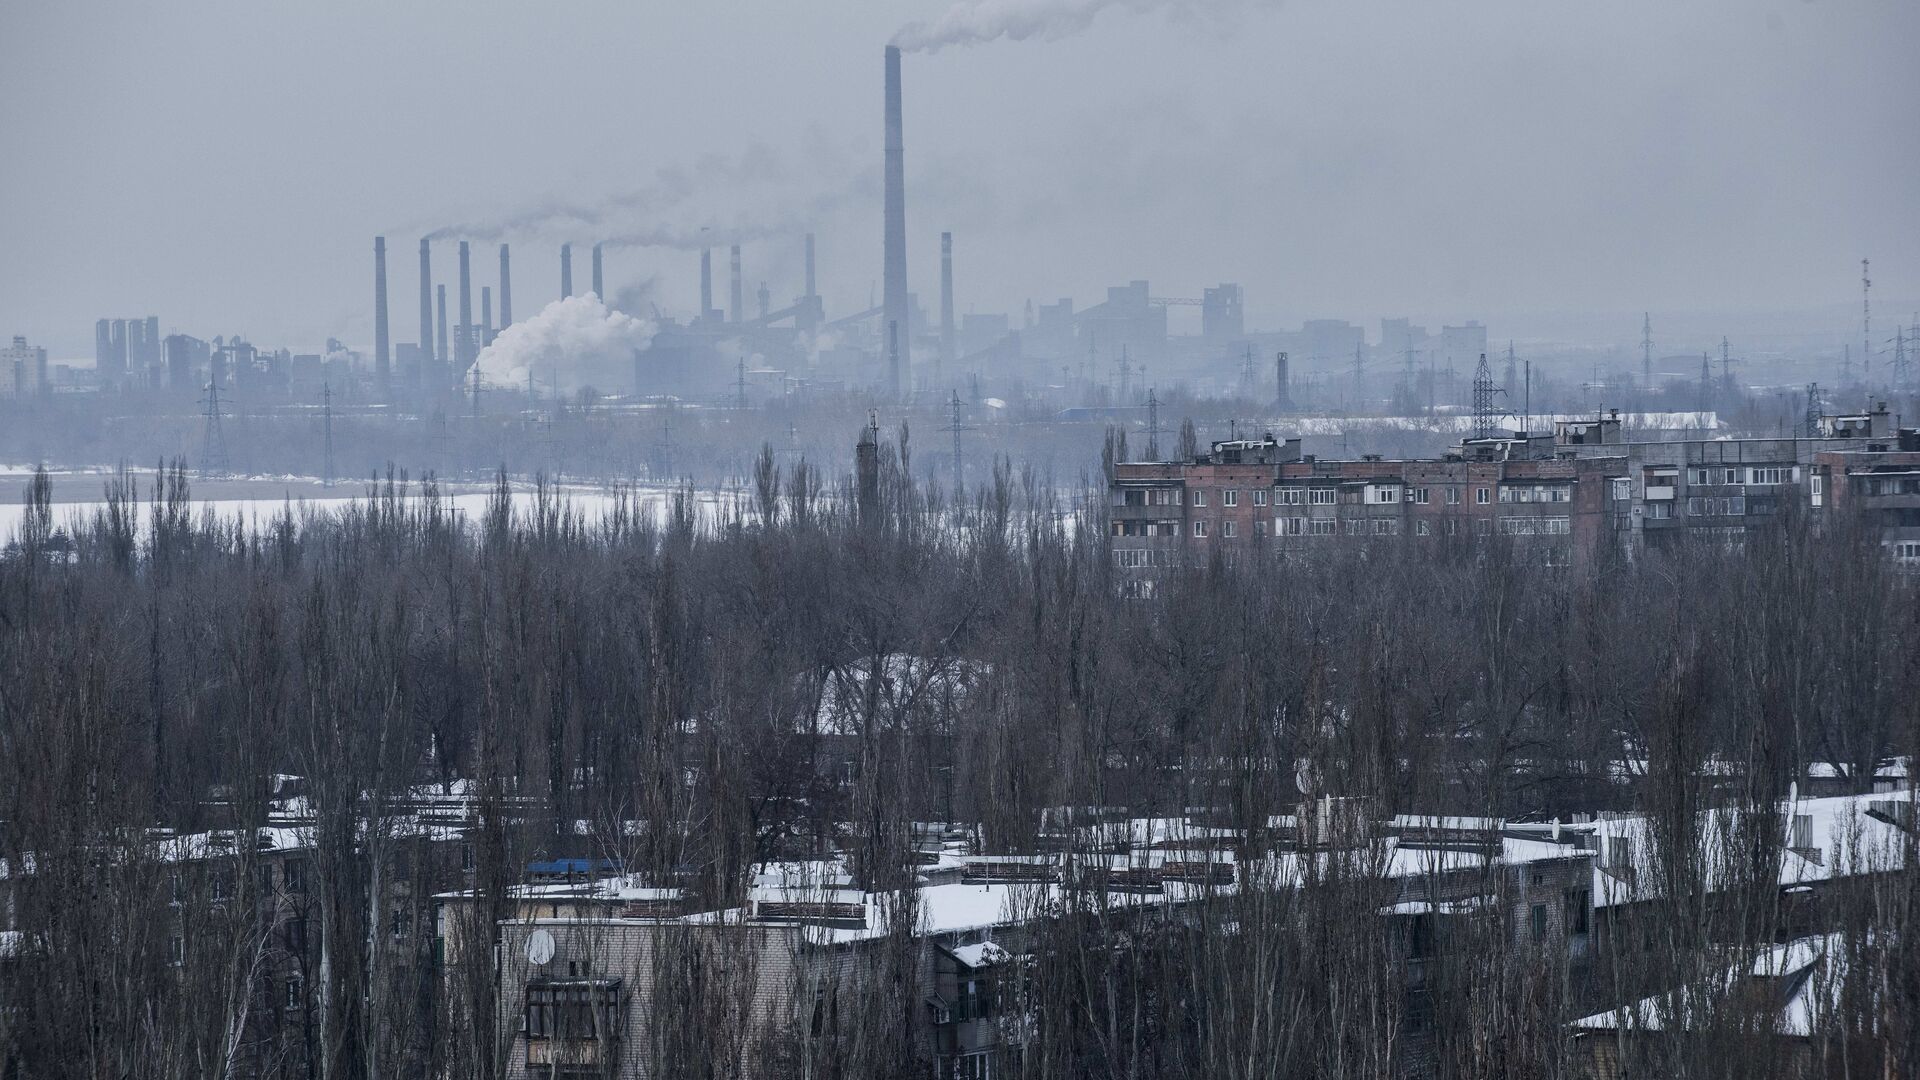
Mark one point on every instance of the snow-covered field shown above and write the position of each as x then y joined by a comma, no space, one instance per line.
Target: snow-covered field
591,504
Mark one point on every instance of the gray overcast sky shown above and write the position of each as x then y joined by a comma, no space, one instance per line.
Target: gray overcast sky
226,164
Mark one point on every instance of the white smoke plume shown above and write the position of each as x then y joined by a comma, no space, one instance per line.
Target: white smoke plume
573,343
978,22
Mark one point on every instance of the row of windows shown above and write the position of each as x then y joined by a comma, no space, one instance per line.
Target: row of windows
1740,474
1520,493
1536,526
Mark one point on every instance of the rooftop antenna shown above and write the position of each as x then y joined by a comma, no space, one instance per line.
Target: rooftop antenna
1153,426
1646,350
1483,394
213,441
326,422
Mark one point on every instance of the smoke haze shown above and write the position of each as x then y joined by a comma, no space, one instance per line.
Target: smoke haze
570,345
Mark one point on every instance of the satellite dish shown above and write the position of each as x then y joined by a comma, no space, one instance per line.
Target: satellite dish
539,948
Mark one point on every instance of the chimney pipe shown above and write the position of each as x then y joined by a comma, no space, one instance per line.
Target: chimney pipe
486,315
465,352
599,289
706,283
946,298
1281,378
893,359
506,290
895,248
739,307
426,299
382,359
566,271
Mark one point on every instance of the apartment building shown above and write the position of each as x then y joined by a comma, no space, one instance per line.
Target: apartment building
1572,495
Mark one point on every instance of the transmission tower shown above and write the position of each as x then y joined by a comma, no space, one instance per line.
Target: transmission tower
213,441
1512,374
1359,373
1866,324
326,422
1153,425
1726,366
956,427
1706,379
1483,394
1246,374
1646,350
1813,410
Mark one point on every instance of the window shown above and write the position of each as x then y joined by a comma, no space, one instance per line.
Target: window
1699,477
1199,496
1660,510
221,886
1453,526
1290,496
1768,474
1420,496
1383,493
295,872
1200,529
1732,476
1537,921
573,1010
1482,496
1230,497
1354,526
973,1066
1422,528
1453,496
1482,526
1289,526
1259,526
1622,489
1576,913
294,996
1907,550
1321,527
1227,530
1260,496
1536,526
1386,527
176,888
1321,497
466,856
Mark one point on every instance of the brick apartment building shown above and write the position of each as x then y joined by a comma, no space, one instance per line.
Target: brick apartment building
1579,491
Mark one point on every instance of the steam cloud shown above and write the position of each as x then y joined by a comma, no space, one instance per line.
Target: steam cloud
977,22
572,343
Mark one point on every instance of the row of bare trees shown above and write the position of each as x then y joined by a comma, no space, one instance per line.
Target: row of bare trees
694,687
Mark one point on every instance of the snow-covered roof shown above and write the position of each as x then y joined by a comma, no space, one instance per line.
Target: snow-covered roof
983,955
1805,977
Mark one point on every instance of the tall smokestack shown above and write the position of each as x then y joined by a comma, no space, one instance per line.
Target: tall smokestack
506,290
486,314
946,298
440,355
426,299
893,359
566,271
599,288
464,354
894,300
1283,384
739,307
382,360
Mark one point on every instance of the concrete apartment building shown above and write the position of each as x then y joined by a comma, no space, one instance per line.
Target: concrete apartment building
1581,491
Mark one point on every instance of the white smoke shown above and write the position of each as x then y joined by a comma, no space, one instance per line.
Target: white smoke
572,343
977,22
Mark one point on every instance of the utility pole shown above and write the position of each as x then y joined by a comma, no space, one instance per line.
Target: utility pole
213,441
1153,426
326,422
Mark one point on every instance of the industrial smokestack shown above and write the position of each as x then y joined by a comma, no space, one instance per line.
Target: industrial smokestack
739,308
426,299
706,282
893,359
506,290
486,315
599,288
382,360
894,299
1284,399
440,354
566,271
465,353
946,298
